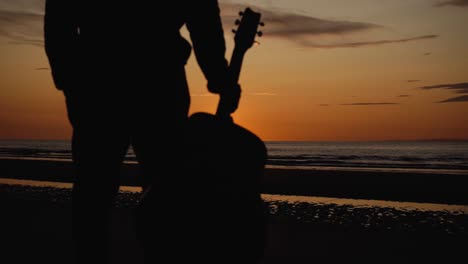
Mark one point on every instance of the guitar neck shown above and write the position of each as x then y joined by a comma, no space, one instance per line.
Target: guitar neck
234,70
244,39
235,64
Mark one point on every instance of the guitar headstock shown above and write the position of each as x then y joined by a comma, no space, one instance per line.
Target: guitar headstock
247,29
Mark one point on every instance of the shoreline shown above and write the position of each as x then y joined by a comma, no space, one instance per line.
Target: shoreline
299,168
372,185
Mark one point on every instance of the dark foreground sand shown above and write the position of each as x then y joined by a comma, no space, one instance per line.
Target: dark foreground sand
35,221
35,228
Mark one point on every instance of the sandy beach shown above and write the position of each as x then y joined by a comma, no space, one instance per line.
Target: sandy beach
430,187
36,219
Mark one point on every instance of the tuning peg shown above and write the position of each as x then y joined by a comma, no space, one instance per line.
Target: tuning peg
260,33
234,31
262,24
241,13
237,22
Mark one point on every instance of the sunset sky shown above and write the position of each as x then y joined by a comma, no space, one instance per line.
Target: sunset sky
325,70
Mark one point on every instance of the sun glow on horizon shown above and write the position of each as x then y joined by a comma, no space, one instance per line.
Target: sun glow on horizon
333,71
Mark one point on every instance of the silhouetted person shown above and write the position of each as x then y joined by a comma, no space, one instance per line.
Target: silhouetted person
120,66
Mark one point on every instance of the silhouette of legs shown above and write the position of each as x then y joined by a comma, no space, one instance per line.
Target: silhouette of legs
158,125
99,145
105,122
158,117
159,226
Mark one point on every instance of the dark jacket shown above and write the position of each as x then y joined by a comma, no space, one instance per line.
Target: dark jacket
115,42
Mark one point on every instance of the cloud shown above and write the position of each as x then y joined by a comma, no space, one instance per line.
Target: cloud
413,81
301,28
368,104
324,105
457,87
203,95
463,98
460,88
264,94
460,3
21,22
42,69
286,24
363,43
427,53
404,95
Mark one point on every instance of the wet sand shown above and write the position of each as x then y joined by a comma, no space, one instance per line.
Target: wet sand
35,221
431,187
35,225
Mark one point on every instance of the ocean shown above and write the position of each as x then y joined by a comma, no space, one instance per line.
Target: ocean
443,156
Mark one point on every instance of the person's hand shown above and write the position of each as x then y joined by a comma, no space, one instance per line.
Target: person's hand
229,100
215,87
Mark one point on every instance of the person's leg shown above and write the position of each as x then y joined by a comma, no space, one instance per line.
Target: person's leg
157,216
99,146
157,139
158,123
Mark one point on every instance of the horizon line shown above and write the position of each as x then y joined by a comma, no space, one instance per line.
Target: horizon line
292,140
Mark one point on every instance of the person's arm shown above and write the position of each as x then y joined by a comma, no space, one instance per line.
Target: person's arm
206,32
60,40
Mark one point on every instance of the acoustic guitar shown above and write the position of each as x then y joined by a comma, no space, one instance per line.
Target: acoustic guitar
215,212
225,164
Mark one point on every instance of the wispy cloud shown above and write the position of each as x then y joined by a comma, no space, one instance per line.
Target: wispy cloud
311,44
427,53
285,24
210,94
456,87
301,28
410,81
369,104
264,94
460,3
324,105
463,98
203,95
21,21
42,69
460,88
21,28
404,95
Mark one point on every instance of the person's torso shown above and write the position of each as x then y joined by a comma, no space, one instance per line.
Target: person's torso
127,37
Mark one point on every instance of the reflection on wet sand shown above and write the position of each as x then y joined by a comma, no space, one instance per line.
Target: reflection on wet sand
342,214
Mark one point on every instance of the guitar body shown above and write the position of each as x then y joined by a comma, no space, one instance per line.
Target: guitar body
211,210
225,166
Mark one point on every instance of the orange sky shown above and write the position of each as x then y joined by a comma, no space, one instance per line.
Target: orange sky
331,70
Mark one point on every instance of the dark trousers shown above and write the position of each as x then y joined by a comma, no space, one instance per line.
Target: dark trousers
108,117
